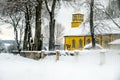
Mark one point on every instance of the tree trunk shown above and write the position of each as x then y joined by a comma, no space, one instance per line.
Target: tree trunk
27,34
38,37
16,38
52,31
91,23
52,26
25,38
119,4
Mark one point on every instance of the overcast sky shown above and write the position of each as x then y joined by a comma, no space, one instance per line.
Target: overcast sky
7,32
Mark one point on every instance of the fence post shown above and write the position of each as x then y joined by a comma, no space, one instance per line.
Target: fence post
102,58
42,54
57,55
76,53
38,55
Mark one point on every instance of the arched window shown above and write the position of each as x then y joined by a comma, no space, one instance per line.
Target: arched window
73,43
80,43
97,41
74,17
88,41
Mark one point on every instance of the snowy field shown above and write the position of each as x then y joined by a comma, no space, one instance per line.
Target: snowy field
88,65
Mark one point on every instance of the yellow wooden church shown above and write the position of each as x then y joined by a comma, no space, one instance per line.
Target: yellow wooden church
79,34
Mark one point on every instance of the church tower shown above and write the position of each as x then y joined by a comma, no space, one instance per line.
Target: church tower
77,19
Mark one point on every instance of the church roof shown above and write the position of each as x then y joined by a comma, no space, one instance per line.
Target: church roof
101,28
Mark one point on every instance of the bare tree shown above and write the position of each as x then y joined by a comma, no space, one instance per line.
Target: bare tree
104,10
28,9
13,16
51,12
16,22
18,29
113,8
51,5
59,31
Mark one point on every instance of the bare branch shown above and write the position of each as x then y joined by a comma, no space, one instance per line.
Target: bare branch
103,10
47,6
5,21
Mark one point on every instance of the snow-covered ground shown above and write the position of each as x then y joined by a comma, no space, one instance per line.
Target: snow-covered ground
85,66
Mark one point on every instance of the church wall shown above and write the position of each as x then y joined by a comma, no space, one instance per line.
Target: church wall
78,42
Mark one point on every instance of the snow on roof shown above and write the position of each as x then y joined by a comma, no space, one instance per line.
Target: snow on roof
117,41
101,27
89,46
82,30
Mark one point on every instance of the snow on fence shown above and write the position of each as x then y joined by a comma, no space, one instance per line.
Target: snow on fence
42,54
94,56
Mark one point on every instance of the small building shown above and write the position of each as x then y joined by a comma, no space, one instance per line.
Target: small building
77,37
115,44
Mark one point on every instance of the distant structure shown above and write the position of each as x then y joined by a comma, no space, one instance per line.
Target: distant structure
77,20
79,35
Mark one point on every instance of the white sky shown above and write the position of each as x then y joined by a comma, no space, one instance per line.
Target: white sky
6,32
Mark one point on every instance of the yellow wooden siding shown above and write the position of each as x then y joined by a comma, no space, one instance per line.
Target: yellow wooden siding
68,41
77,42
86,40
98,40
105,39
102,41
75,24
